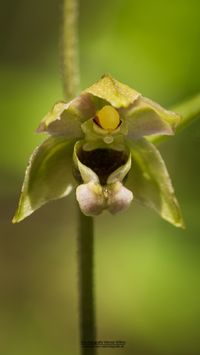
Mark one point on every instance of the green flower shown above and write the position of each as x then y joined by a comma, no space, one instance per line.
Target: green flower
99,144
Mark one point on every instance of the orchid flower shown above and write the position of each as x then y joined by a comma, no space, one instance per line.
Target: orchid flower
99,145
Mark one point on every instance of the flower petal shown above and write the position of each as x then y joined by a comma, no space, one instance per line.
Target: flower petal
151,183
170,117
143,121
48,176
90,198
66,118
145,118
114,92
60,121
119,197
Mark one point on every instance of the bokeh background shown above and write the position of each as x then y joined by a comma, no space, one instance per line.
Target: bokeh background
147,271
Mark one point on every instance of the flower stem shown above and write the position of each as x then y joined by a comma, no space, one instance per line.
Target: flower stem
70,71
86,269
189,111
69,43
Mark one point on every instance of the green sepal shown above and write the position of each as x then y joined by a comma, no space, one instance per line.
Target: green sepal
48,176
114,92
150,182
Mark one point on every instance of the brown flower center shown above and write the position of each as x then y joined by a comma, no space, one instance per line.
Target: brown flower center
102,161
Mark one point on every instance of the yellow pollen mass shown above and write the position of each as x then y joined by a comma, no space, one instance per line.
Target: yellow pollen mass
108,118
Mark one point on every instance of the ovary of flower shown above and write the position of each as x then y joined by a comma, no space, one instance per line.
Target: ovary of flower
108,118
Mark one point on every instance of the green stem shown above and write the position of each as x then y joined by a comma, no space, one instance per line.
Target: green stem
189,111
86,269
70,67
85,224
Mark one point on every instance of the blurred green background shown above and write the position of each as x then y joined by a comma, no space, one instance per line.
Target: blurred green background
147,272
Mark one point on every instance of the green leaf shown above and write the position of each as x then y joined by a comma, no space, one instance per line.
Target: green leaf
114,92
48,176
150,182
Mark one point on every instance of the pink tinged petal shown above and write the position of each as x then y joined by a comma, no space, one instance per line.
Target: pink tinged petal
94,198
90,198
170,117
119,198
151,184
60,121
66,118
145,118
48,176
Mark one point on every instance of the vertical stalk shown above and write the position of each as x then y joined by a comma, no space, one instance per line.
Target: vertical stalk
69,53
86,276
70,75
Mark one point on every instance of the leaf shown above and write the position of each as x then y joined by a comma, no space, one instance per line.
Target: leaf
48,176
150,182
114,92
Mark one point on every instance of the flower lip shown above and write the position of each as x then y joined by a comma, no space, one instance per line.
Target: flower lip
102,161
